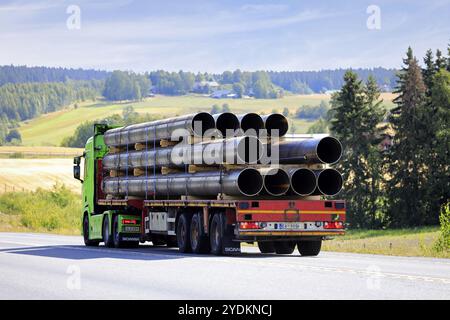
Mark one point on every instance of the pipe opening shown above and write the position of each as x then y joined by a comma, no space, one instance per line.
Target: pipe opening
252,121
276,182
303,182
329,150
227,121
278,122
249,150
329,182
202,122
250,182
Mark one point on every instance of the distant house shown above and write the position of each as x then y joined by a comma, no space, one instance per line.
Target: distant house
205,86
223,94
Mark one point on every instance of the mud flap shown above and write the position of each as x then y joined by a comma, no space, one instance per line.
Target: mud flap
228,245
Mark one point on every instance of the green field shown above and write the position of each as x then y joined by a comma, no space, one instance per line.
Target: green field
50,129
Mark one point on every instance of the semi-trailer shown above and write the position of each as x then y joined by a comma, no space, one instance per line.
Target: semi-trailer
205,193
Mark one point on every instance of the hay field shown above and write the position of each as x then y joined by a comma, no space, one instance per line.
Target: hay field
30,174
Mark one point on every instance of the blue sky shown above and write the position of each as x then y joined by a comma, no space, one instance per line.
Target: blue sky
219,35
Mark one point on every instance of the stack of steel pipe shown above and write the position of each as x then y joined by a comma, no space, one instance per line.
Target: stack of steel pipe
208,155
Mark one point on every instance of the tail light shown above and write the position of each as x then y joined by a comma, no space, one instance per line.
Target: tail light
128,221
249,225
333,225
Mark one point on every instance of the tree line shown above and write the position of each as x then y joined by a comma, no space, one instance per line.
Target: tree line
23,74
305,82
407,184
23,101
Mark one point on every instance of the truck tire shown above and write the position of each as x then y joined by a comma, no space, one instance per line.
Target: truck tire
199,242
266,246
284,247
216,234
309,248
107,238
87,242
183,234
115,233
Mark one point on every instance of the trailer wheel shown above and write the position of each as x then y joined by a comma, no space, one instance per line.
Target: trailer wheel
87,242
183,234
309,248
216,234
107,238
115,232
199,242
266,246
284,247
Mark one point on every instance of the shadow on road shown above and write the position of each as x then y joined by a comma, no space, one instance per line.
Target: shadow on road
144,252
75,252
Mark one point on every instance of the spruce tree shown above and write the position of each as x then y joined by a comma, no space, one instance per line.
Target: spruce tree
441,61
434,152
406,169
429,70
356,112
439,187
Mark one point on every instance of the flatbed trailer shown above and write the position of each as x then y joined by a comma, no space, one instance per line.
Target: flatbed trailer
216,226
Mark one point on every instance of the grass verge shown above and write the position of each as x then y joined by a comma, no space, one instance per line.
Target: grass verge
399,242
47,211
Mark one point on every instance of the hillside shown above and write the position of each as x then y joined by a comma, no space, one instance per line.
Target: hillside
50,129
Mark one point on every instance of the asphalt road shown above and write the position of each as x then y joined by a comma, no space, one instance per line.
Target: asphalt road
37,266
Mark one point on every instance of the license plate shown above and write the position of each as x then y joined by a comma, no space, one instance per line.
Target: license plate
288,226
131,229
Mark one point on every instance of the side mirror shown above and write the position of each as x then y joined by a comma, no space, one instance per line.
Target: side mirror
76,168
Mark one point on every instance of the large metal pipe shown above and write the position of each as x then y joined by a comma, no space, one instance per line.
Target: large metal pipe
303,181
329,182
238,150
251,123
245,182
227,123
315,150
276,121
276,181
194,124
